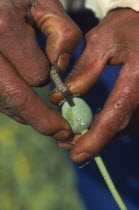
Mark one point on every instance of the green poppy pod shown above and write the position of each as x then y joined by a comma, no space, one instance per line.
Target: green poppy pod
79,116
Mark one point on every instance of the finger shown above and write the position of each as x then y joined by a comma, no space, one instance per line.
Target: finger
68,144
88,68
64,146
18,44
11,115
63,36
114,117
21,100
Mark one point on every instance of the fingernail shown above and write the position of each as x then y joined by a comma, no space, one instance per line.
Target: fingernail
63,61
53,92
81,157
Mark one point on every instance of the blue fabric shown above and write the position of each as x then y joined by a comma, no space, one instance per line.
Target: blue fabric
121,156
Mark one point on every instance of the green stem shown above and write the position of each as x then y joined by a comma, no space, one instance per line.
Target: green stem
109,181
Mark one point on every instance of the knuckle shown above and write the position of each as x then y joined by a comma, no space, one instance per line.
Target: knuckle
93,37
39,75
72,33
97,43
75,32
15,99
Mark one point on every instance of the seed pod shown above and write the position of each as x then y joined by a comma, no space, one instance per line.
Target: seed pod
79,116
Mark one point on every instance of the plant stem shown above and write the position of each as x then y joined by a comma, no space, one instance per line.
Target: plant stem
109,181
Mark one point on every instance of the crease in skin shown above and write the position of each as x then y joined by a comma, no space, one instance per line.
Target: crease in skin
13,116
44,22
114,120
54,6
42,12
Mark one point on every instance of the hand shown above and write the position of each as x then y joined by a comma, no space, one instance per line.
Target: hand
115,41
23,64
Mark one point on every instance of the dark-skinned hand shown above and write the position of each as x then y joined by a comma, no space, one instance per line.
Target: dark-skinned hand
23,64
115,41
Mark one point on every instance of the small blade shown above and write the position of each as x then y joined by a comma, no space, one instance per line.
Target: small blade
61,85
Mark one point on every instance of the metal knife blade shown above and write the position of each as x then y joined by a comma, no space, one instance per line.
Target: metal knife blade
61,86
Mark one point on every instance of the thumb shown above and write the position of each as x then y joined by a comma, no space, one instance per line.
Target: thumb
88,68
63,36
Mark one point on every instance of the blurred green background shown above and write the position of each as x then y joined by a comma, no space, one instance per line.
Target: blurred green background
34,173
